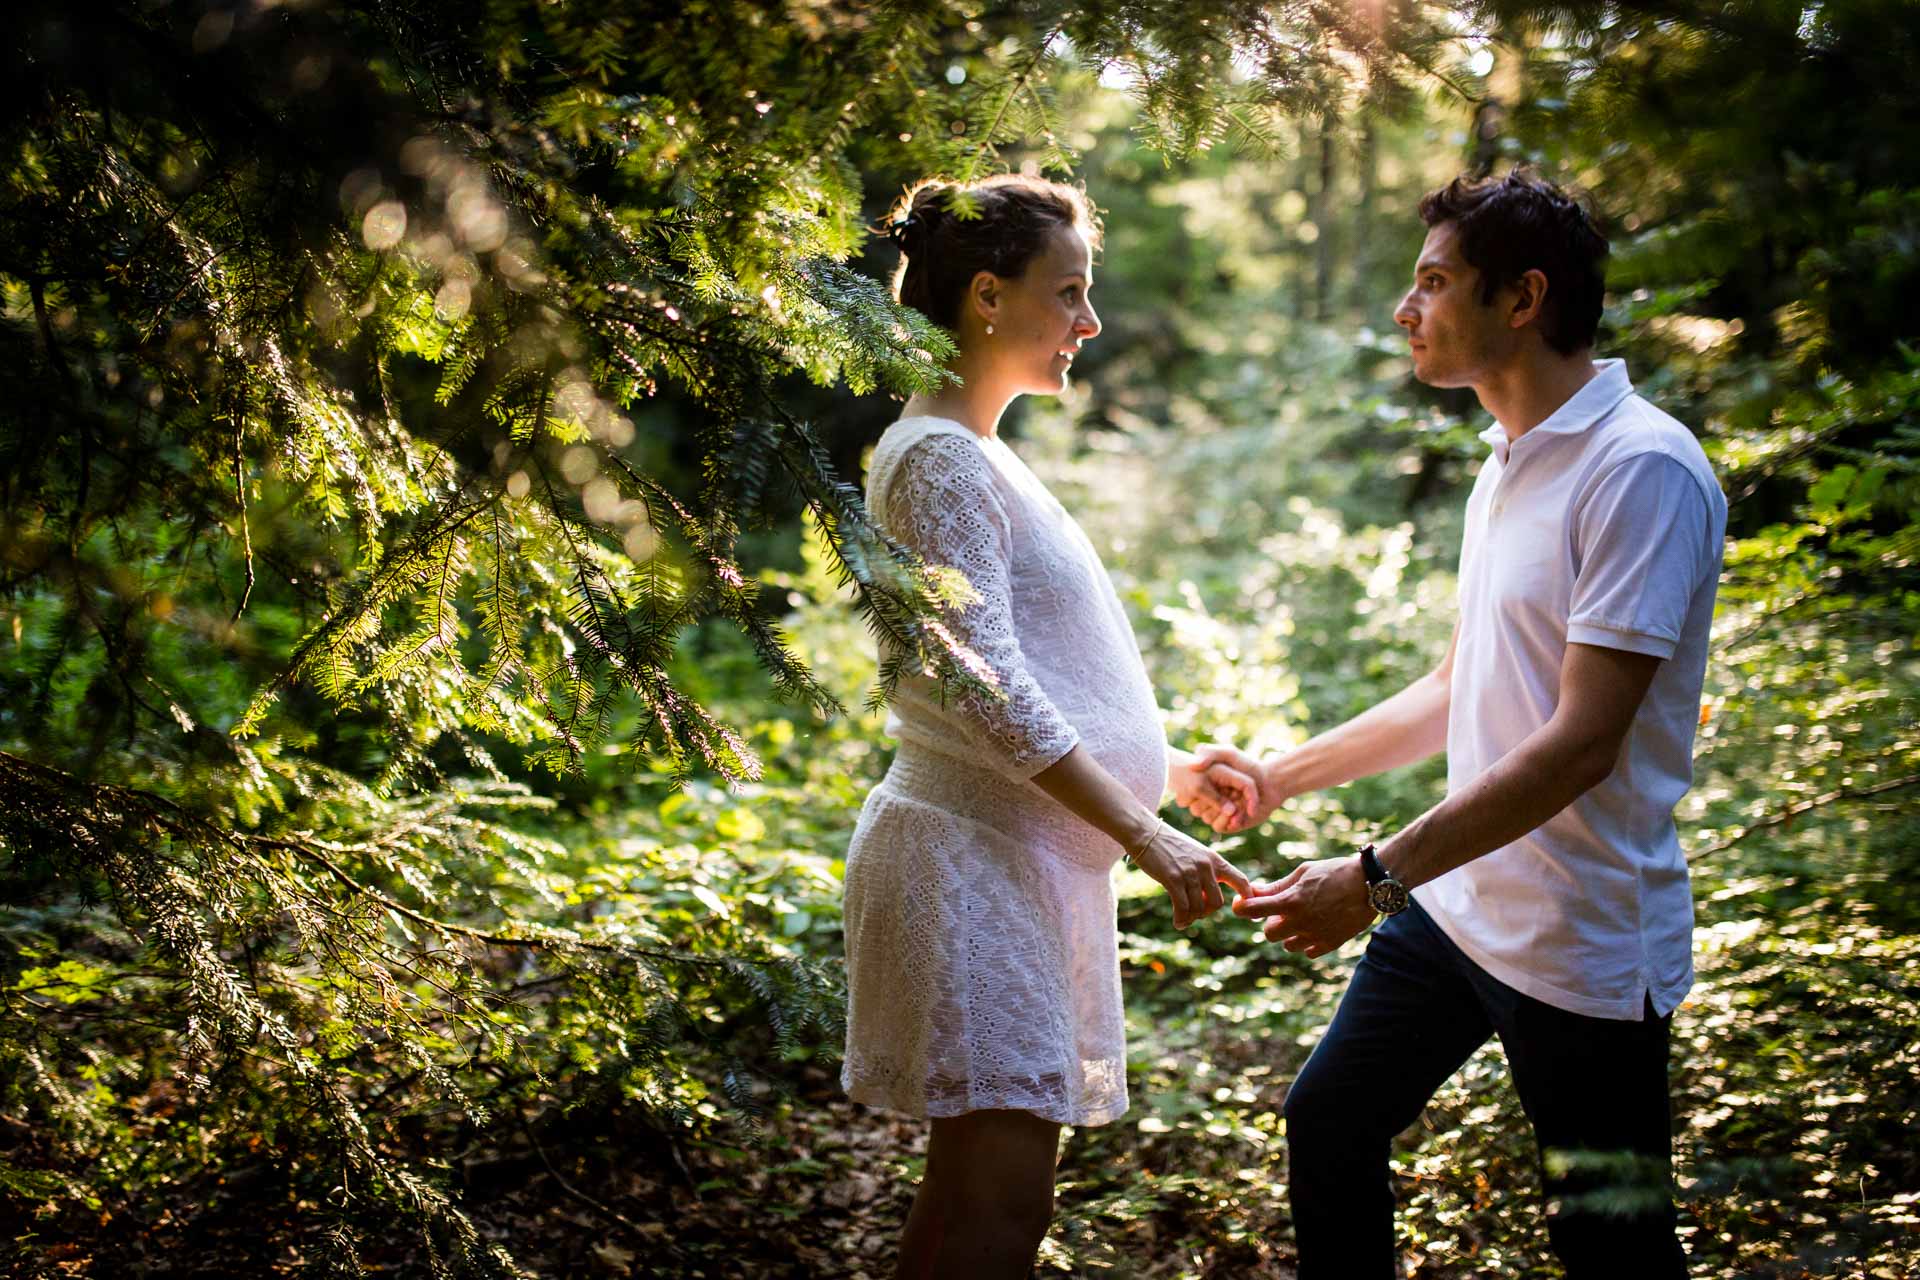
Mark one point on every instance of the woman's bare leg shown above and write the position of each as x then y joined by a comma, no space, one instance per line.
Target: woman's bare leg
920,1240
986,1200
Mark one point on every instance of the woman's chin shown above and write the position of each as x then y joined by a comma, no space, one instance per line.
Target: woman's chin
1059,376
1053,384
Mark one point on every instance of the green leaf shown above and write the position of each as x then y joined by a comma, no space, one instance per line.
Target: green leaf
712,901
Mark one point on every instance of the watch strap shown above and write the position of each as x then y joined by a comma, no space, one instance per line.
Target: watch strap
1370,865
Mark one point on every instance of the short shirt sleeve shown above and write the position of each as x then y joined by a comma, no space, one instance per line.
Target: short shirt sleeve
1641,536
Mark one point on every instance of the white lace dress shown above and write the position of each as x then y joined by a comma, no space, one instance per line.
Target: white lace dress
981,944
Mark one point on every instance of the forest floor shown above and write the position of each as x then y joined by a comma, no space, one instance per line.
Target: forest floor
820,1195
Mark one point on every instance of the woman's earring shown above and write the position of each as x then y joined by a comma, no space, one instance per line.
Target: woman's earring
989,331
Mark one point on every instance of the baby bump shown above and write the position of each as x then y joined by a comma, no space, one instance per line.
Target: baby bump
1104,694
1125,736
1020,820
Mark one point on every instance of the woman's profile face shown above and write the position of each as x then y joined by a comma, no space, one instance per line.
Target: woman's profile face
1044,316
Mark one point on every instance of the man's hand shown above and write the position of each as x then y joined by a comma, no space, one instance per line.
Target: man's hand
1316,908
1220,796
1221,760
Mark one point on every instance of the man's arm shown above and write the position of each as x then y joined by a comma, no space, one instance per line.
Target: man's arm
1322,904
1401,730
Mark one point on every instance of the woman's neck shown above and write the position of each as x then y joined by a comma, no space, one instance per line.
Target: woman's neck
976,403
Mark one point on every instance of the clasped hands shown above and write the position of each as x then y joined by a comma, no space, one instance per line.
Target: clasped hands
1313,909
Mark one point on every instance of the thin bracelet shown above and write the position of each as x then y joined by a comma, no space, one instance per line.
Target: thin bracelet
1159,825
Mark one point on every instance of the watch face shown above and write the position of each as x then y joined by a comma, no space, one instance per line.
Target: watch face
1389,897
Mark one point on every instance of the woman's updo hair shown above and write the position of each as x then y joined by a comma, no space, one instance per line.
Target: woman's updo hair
1007,222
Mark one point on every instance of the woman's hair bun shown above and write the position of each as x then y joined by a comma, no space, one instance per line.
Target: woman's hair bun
914,219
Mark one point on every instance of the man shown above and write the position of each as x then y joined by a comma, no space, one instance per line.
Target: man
1549,898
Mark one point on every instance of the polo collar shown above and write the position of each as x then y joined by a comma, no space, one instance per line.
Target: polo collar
1598,398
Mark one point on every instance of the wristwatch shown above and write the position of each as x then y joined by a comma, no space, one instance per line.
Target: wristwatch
1384,894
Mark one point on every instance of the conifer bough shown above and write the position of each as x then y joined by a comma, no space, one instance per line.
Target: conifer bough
390,381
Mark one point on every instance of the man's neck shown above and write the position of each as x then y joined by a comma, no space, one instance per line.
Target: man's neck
1527,392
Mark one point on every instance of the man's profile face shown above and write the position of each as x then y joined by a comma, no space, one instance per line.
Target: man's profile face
1455,339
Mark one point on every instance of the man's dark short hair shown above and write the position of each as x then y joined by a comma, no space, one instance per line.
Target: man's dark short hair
1510,225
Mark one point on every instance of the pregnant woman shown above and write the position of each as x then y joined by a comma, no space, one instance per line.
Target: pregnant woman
981,941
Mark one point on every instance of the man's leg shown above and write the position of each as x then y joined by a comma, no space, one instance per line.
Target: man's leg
1408,1020
1596,1092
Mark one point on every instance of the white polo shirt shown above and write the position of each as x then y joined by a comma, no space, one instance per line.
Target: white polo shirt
1603,526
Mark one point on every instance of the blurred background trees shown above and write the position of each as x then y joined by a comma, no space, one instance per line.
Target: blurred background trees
427,458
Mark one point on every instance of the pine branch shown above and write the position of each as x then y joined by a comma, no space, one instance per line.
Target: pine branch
535,939
352,620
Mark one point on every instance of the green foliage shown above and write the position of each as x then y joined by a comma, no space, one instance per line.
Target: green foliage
421,465
394,386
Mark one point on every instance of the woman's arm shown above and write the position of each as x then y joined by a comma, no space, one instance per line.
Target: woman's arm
1190,872
944,505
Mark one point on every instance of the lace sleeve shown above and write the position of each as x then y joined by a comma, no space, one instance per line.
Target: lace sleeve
943,504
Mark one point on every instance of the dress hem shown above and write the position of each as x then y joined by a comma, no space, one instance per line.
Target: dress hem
873,1096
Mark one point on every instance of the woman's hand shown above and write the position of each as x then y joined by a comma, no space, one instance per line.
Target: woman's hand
1190,872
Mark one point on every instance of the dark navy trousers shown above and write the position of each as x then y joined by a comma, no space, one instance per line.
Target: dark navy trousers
1595,1090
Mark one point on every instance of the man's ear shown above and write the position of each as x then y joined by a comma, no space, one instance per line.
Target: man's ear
1529,299
983,295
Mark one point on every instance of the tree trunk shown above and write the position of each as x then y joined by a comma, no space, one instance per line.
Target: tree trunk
1323,219
1360,226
